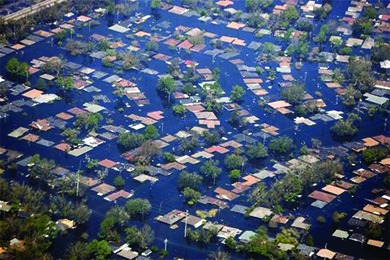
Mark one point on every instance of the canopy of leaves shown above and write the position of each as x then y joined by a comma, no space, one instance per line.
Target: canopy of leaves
282,145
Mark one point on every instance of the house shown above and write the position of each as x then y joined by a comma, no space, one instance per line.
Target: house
326,253
193,221
64,224
127,254
246,236
4,206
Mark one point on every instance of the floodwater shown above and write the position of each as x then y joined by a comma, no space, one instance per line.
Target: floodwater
164,195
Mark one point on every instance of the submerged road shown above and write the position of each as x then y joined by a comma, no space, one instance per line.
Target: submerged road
32,9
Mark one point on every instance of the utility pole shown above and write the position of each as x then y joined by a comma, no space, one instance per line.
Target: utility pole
185,226
78,182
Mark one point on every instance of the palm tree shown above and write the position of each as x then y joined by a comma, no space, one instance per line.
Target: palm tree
77,251
219,255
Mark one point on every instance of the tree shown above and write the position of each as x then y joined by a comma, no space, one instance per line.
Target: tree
189,180
235,174
337,216
288,236
138,206
231,243
130,141
66,83
71,136
41,84
282,145
77,251
373,154
260,245
190,3
152,46
191,194
321,220
386,181
360,74
220,255
55,64
210,169
237,93
305,24
76,47
119,182
36,231
155,4
140,238
234,161
117,215
344,128
17,68
5,191
80,213
169,157
255,5
323,12
179,109
374,231
167,85
369,12
294,94
42,169
107,230
309,240
90,121
99,250
258,194
291,13
380,52
322,35
257,151
130,61
151,132
212,137
362,25
189,145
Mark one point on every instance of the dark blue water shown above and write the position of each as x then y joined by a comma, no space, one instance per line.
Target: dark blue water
164,195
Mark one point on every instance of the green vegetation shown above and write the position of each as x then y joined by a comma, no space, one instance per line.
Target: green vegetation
66,83
294,94
140,238
130,141
235,161
119,182
138,207
179,109
235,174
257,151
167,85
281,145
151,132
189,180
211,170
237,93
17,68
